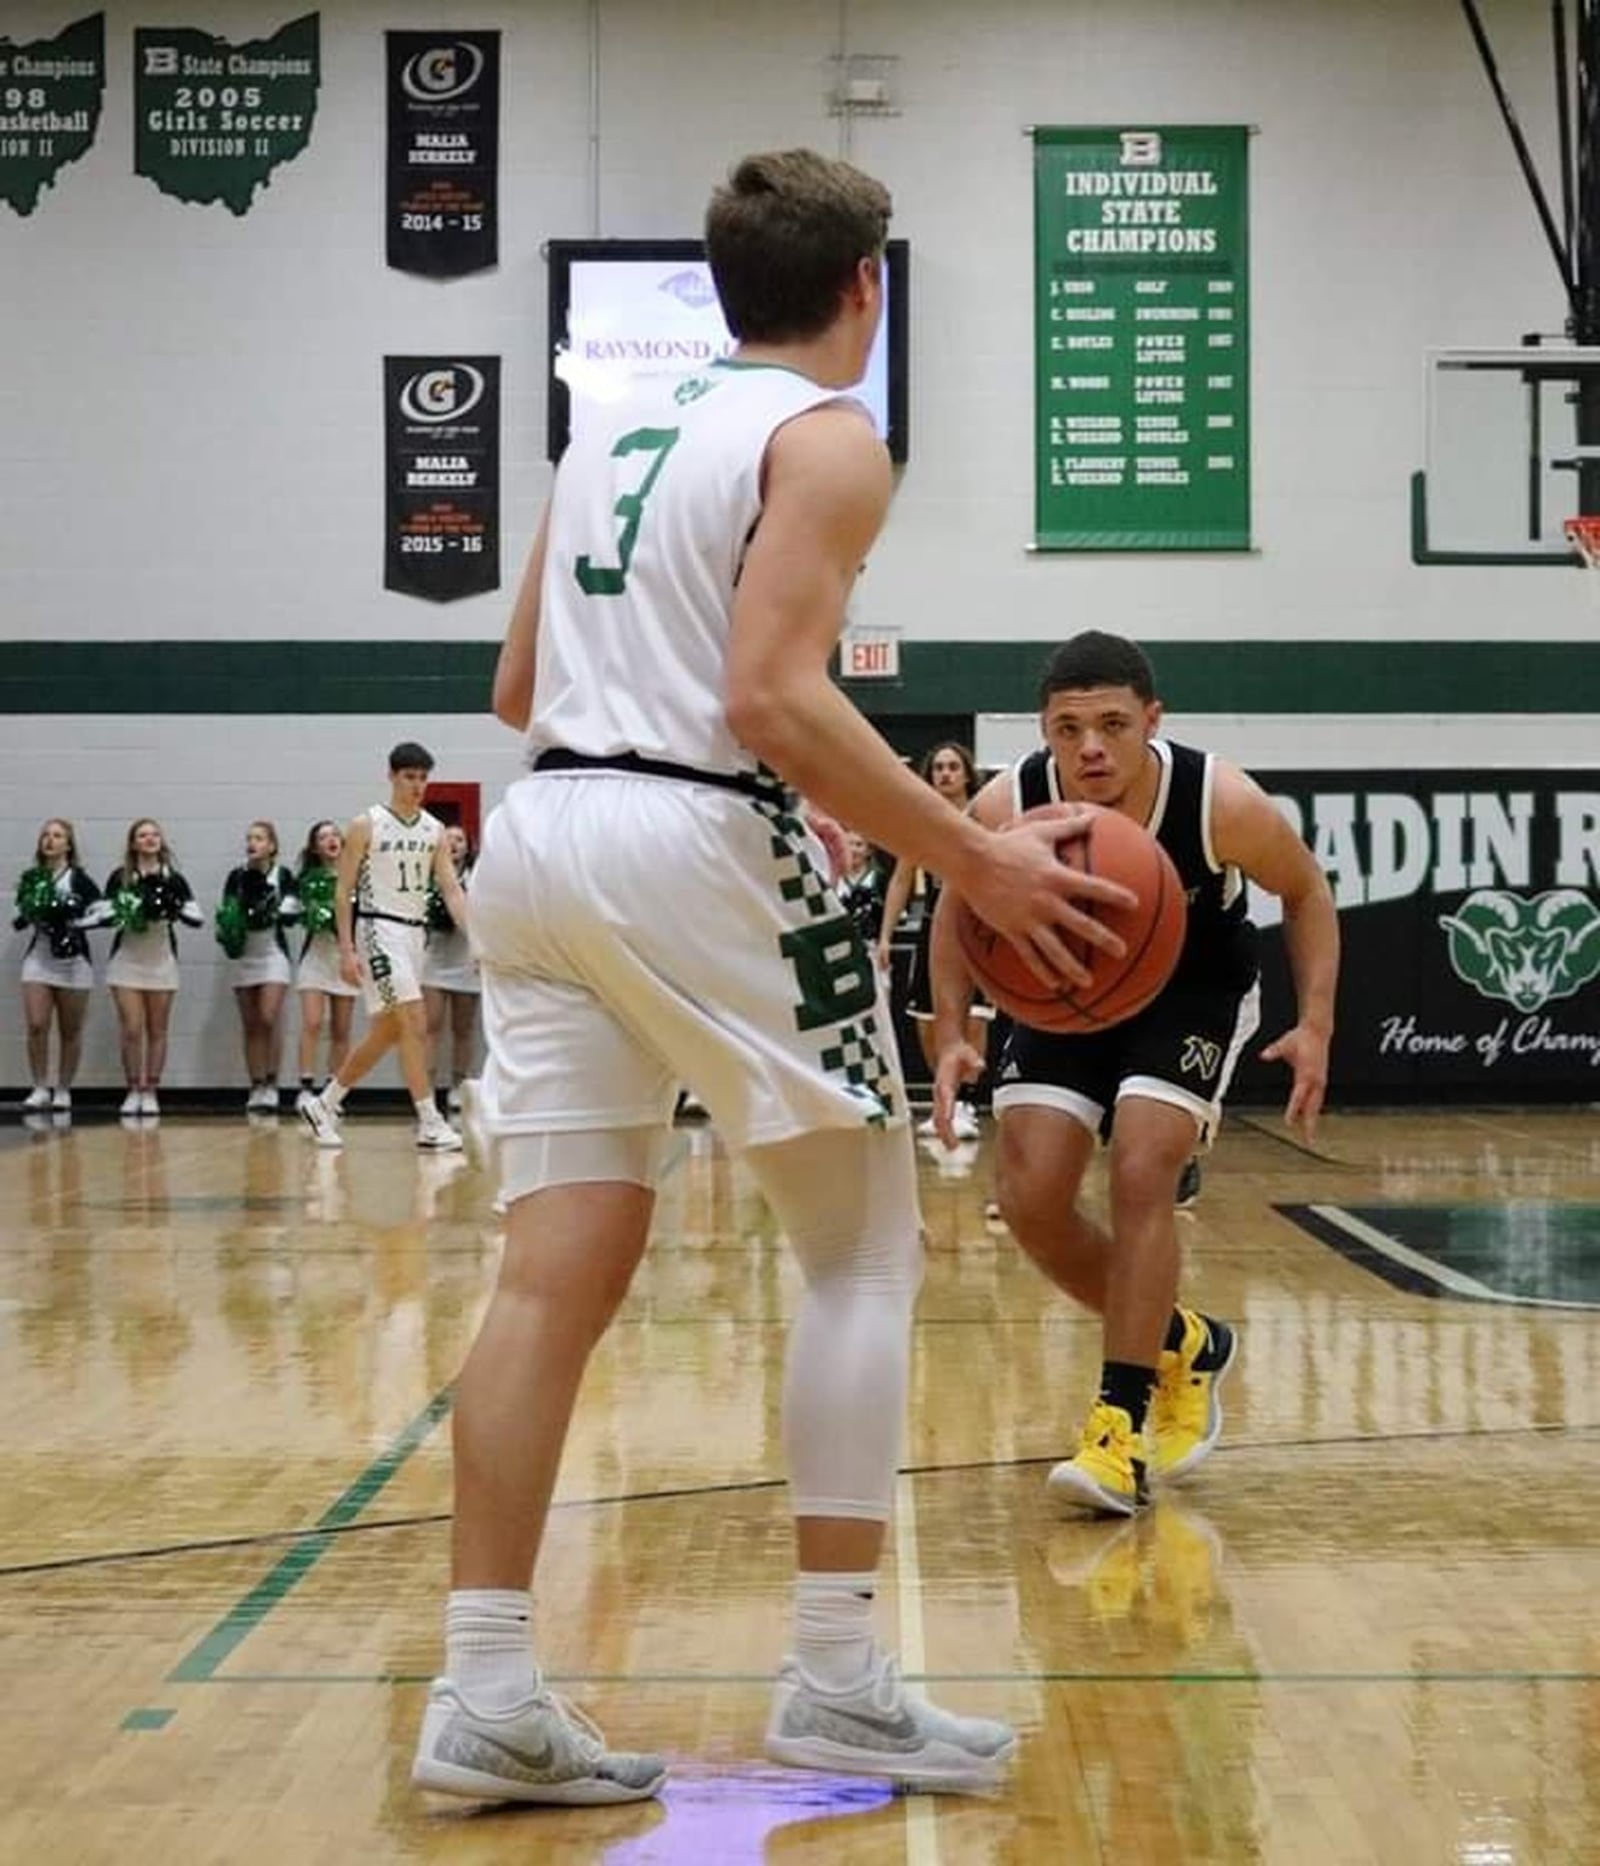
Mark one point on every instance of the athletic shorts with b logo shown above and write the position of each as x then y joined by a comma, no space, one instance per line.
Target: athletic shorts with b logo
391,962
640,933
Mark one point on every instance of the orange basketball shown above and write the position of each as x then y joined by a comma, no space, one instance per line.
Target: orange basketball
1118,848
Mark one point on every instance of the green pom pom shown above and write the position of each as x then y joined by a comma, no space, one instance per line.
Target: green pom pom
37,900
233,926
127,910
438,916
316,888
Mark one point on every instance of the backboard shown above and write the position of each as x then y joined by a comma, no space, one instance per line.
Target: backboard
1502,458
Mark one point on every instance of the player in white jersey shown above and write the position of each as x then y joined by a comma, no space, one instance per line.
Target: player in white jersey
392,856
667,655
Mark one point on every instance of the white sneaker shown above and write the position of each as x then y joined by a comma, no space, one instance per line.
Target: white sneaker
36,1099
61,1101
873,1728
438,1136
543,1750
322,1121
927,1127
300,1100
264,1098
964,1123
132,1103
148,1103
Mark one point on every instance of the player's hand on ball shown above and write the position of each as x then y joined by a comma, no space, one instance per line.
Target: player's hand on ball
1029,894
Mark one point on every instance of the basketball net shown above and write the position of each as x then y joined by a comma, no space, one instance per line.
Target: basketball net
1583,534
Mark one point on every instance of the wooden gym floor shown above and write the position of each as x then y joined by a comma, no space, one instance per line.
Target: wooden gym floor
1366,1632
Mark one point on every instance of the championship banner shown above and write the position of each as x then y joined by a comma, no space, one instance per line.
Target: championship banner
213,120
1469,910
1142,339
444,152
50,96
442,433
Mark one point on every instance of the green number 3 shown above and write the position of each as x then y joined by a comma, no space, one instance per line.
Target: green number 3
611,579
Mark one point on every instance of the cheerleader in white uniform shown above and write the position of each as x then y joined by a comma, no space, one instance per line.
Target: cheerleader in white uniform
53,897
326,1001
258,902
450,985
145,899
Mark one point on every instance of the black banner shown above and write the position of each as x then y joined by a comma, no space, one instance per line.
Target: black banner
442,432
444,152
1470,918
212,120
50,96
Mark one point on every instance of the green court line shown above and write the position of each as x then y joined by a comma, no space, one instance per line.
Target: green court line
148,1719
199,1665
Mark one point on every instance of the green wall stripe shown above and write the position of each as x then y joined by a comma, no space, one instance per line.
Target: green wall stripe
356,677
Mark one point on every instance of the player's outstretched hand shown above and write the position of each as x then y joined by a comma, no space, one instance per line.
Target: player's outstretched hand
1306,1052
1026,892
959,1063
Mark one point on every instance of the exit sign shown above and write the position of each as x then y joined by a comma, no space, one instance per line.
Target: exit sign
871,657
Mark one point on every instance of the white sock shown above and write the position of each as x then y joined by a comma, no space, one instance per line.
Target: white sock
333,1094
427,1110
489,1646
833,1627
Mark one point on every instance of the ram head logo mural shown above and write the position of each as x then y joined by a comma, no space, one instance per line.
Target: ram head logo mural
1525,951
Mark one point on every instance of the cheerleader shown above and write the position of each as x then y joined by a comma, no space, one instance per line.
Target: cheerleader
258,902
325,999
145,899
860,888
52,898
450,984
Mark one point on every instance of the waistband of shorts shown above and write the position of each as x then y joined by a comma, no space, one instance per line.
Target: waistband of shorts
746,783
395,920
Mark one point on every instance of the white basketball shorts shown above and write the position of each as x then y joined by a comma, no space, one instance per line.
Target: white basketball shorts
638,933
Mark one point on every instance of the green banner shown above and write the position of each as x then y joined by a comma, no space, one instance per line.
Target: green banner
50,93
213,120
1142,339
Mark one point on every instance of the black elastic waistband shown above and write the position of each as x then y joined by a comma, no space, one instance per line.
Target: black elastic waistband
558,758
395,920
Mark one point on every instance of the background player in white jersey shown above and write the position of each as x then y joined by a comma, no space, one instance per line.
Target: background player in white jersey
667,653
392,855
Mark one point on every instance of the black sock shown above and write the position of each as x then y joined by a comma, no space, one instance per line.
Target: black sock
309,1084
1174,1339
1122,1384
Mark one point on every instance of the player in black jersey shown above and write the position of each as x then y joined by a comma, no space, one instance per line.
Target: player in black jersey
1152,1086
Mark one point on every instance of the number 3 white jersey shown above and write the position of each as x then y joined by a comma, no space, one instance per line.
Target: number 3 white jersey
398,865
653,509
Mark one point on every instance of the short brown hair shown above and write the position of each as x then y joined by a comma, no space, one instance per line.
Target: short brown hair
784,235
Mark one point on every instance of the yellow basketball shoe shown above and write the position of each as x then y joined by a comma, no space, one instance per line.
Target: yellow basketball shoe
1107,1473
1185,1411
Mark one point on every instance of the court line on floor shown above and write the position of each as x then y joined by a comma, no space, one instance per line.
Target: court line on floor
747,1486
763,1680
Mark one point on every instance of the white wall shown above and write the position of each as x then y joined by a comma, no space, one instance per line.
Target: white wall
191,423
207,779
195,446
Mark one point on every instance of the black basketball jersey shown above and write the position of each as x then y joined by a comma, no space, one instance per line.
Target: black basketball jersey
1219,947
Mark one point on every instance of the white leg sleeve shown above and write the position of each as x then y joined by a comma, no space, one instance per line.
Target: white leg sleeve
846,1199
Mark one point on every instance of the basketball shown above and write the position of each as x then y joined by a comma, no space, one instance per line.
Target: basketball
1152,930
